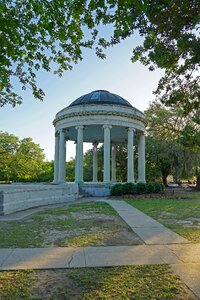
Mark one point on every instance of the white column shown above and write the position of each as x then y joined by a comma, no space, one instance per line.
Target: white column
130,161
79,152
106,175
113,163
62,157
76,161
94,179
141,158
56,158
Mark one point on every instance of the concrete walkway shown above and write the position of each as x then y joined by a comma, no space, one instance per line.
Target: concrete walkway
148,229
162,246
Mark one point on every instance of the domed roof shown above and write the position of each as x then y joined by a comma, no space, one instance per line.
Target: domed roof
100,97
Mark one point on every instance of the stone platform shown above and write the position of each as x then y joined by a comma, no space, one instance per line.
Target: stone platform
94,189
16,197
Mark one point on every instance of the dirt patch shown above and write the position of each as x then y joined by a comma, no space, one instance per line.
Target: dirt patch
188,222
103,230
92,215
165,194
124,238
54,284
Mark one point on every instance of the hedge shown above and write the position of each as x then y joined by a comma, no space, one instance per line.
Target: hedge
129,188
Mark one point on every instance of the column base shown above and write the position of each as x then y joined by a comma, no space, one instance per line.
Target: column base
55,182
140,180
61,182
107,182
79,181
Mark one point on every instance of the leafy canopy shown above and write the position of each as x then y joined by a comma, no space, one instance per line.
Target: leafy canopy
172,143
38,34
20,160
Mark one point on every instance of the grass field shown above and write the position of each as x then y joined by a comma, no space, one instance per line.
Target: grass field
90,223
181,214
117,283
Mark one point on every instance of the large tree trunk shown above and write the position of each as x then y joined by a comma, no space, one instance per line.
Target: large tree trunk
198,182
165,173
164,180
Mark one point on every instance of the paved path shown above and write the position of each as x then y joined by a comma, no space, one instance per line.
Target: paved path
183,259
148,229
161,246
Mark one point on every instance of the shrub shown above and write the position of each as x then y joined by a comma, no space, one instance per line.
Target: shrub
120,189
129,188
117,189
151,187
142,188
159,187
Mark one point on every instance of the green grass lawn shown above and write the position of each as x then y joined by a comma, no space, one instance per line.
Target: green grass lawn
127,282
181,214
83,224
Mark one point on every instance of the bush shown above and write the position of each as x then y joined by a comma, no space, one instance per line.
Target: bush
142,188
151,187
117,189
130,188
159,187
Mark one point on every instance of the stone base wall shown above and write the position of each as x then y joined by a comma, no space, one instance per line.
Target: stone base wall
95,190
20,197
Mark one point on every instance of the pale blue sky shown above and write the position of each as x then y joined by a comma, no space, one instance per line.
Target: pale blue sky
116,74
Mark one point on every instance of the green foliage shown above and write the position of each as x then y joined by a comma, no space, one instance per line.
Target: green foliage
20,160
117,189
52,35
70,170
47,169
130,188
154,187
172,124
166,149
141,188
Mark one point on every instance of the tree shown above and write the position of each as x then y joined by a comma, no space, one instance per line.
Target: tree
41,34
8,149
70,170
169,158
47,171
172,124
166,142
20,160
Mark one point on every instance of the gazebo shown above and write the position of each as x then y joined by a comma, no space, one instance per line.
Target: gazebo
100,117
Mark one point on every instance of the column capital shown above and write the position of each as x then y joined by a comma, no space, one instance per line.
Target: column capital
79,127
95,144
142,133
107,126
130,129
62,130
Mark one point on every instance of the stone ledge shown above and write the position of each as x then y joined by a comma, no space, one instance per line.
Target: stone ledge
18,198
